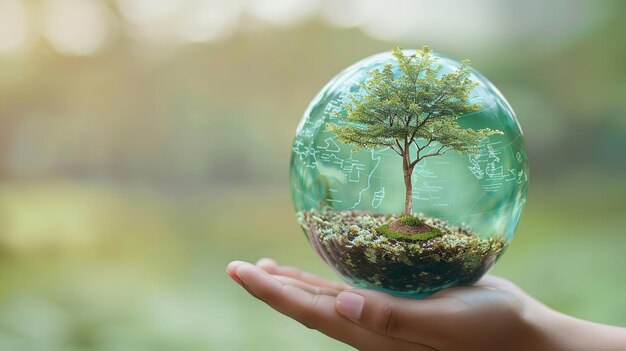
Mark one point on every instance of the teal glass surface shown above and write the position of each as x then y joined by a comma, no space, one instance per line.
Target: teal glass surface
483,192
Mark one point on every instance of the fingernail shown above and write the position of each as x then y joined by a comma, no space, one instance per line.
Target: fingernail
350,304
253,276
232,267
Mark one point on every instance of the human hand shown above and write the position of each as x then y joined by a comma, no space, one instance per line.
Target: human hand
493,314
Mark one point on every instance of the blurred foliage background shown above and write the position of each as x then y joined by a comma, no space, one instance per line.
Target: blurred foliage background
145,143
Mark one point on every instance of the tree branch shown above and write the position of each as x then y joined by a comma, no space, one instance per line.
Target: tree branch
399,147
415,131
437,153
427,144
431,112
399,150
396,151
416,161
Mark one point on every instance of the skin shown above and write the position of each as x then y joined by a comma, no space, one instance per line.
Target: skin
493,314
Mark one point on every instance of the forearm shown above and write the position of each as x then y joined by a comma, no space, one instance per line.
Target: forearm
559,332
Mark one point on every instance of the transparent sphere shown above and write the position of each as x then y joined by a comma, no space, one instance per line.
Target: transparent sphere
467,205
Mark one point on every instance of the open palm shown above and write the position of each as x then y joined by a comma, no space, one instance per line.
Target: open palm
493,314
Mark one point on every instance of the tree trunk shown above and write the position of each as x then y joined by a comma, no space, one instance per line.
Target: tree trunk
408,196
408,185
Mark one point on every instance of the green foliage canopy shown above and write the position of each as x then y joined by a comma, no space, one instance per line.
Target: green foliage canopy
397,110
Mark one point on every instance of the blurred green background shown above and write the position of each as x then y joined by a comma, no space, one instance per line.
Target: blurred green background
145,143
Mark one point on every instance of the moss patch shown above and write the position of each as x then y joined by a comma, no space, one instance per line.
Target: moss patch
409,228
410,220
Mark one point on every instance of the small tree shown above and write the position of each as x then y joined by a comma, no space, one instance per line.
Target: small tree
413,110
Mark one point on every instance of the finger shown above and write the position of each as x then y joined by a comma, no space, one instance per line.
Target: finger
231,269
312,289
271,267
266,263
309,278
420,321
314,311
318,290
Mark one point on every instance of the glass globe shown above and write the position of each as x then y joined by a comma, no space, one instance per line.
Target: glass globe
351,200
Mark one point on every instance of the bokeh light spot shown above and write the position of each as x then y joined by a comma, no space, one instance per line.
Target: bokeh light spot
209,20
15,34
76,27
283,12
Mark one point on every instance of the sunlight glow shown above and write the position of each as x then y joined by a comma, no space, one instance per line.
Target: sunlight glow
454,22
208,20
348,13
15,34
283,12
149,11
76,27
85,27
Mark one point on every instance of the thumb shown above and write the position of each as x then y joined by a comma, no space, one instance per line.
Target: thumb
420,321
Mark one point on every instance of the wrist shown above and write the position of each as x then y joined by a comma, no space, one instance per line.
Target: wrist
554,331
537,321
